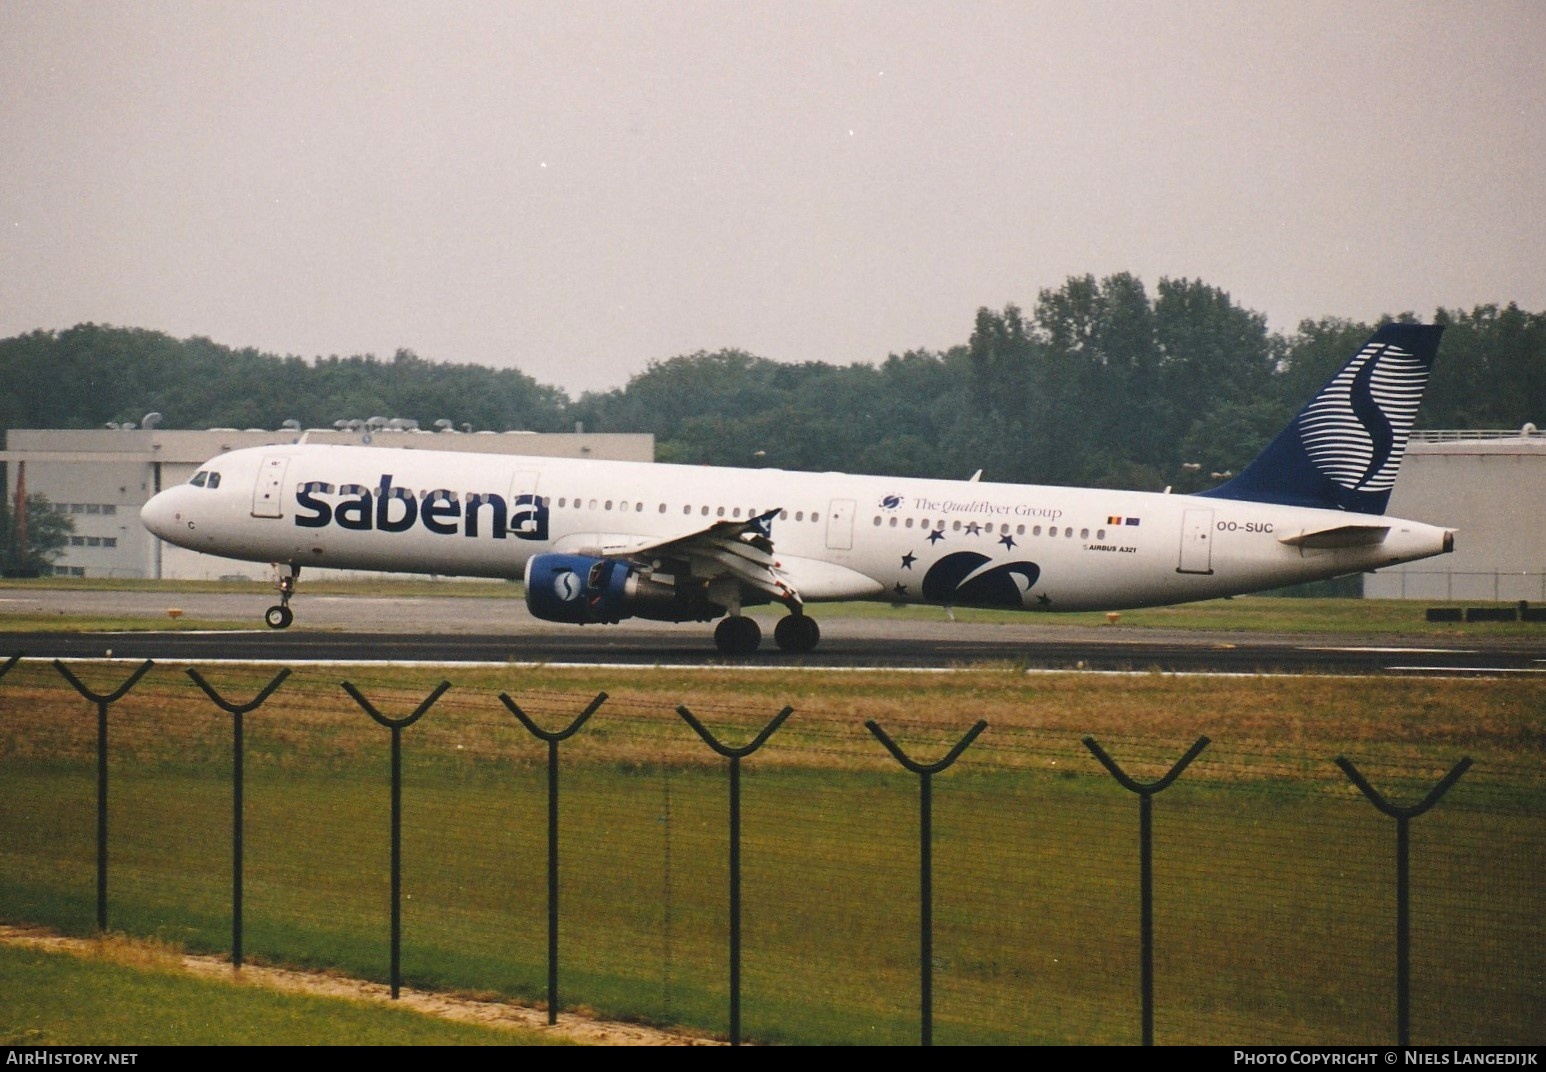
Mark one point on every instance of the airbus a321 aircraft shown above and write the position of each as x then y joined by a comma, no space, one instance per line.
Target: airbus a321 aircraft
600,541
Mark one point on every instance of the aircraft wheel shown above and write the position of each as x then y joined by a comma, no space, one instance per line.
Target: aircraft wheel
796,633
279,617
737,636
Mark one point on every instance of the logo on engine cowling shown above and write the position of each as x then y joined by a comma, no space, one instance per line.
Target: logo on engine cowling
566,586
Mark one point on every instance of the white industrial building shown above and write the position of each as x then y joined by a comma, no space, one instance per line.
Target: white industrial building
102,477
1491,488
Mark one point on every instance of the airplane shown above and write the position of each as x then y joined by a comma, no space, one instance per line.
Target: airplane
600,541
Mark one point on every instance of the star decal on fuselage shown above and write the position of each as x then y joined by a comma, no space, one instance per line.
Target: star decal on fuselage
908,560
1044,600
901,589
936,536
973,529
1007,540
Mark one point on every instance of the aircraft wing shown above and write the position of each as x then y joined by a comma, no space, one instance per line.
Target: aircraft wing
742,550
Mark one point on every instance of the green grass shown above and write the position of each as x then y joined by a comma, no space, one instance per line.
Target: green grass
1251,614
103,623
58,999
1274,906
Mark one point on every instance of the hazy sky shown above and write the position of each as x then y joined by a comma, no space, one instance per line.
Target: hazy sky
575,189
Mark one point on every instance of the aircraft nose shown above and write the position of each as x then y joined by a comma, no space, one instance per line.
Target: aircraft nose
160,514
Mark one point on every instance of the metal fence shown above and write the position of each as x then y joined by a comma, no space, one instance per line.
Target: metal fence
1497,586
780,877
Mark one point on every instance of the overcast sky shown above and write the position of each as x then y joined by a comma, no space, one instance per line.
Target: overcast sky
576,189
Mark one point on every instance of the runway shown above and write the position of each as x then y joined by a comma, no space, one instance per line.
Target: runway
451,630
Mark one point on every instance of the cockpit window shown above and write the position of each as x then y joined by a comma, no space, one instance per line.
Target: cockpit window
214,480
199,478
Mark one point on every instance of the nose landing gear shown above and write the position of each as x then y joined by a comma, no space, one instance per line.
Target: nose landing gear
280,616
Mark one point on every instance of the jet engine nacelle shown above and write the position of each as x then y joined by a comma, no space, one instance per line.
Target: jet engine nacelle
584,590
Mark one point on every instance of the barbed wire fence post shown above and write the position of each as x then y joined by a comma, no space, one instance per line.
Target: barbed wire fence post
735,755
397,725
926,774
1403,817
236,711
552,740
1146,862
103,702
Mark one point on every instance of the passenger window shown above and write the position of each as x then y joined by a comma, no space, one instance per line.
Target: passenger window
815,516
877,521
1036,531
1100,534
1084,534
799,515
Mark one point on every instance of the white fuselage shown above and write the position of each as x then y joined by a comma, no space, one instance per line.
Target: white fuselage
838,536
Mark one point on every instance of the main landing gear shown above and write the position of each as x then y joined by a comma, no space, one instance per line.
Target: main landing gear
796,633
280,616
739,635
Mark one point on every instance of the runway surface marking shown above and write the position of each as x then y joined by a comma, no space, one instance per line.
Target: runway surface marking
1399,650
417,664
1469,669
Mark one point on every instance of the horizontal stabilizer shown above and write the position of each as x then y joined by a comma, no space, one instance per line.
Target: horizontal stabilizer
1338,536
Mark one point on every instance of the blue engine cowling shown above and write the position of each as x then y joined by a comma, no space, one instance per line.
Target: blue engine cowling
585,590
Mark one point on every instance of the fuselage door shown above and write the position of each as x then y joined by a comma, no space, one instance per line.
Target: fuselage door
528,513
1196,542
268,494
840,525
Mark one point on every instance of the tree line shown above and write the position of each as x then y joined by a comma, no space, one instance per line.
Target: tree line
1099,383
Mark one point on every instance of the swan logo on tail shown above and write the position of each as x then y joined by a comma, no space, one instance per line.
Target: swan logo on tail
1355,431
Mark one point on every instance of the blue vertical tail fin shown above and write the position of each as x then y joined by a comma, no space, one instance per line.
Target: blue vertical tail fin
1343,449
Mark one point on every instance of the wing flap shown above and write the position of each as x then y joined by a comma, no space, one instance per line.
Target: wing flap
742,549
